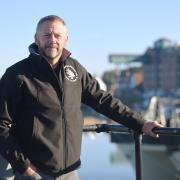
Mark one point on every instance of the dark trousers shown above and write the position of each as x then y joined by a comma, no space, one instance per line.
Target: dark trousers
37,176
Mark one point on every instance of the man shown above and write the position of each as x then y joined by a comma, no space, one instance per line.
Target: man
40,117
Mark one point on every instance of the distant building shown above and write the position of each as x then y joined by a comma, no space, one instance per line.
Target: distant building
130,79
161,65
126,78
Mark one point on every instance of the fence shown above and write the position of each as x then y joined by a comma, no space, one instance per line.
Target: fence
137,139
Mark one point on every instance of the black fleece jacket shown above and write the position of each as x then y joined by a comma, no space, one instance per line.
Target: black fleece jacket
40,117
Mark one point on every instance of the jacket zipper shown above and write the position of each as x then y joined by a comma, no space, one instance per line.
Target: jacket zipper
64,125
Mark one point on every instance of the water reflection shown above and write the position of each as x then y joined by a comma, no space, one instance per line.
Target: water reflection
159,160
102,159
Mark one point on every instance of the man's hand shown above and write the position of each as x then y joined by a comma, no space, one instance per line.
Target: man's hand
148,126
30,171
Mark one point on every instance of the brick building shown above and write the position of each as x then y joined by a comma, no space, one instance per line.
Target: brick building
161,66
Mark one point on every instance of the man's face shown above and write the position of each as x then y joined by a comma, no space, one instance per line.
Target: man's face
51,38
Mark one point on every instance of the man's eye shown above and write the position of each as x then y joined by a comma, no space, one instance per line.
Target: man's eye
46,35
57,36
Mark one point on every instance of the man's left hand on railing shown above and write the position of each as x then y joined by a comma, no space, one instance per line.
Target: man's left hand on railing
148,127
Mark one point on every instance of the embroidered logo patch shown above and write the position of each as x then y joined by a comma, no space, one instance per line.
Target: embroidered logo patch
70,73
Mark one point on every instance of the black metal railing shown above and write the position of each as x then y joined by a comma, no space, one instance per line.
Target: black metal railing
164,131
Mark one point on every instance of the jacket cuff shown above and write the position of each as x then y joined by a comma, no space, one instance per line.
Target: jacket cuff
140,122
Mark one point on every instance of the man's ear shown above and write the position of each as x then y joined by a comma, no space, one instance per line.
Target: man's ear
67,38
35,39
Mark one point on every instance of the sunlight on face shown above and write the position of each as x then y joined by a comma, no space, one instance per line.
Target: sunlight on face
51,38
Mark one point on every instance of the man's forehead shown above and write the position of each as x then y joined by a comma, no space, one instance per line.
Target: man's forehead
55,26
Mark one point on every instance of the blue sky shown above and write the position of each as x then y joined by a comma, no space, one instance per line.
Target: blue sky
96,28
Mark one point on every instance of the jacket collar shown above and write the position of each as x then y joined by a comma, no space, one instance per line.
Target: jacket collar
45,71
33,49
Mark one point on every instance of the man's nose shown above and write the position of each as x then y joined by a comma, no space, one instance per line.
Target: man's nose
52,38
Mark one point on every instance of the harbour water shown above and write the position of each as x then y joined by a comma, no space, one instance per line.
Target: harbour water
101,159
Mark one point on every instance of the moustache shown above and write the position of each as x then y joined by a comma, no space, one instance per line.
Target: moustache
51,46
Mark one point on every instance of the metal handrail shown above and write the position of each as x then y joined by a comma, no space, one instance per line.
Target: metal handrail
164,131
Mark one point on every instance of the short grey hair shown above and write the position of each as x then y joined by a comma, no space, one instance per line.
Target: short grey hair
50,18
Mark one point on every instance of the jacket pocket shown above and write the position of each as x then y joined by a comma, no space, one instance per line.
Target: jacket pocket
19,176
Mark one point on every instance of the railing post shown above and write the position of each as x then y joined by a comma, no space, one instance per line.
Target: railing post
138,155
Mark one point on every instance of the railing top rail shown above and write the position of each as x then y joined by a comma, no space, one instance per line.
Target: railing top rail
122,129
